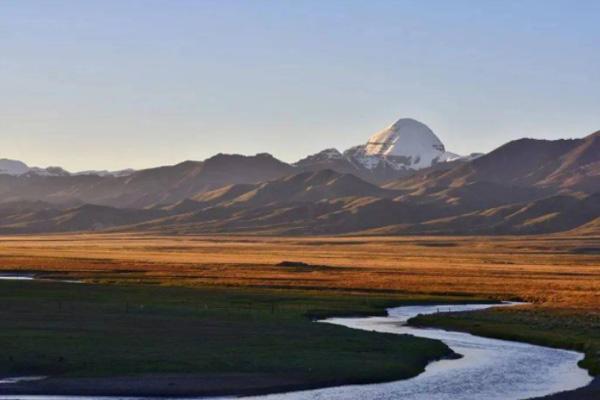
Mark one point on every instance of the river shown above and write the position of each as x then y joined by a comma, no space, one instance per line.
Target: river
490,369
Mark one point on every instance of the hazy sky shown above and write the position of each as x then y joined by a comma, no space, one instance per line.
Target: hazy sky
114,84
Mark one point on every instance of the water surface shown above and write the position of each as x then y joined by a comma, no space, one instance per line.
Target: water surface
16,278
26,277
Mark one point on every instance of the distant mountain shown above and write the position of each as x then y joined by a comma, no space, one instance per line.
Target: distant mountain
553,214
166,185
523,187
544,166
310,187
119,173
505,191
328,159
406,144
83,218
286,205
145,188
19,168
13,167
395,152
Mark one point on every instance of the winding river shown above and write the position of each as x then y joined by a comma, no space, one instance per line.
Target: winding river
490,369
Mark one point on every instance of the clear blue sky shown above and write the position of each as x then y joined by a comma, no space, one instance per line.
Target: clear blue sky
114,84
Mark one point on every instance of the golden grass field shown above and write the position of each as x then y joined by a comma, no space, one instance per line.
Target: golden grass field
560,272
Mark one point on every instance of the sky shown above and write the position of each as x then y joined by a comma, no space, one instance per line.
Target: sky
115,84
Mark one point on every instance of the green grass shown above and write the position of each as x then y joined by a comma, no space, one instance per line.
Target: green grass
552,328
76,330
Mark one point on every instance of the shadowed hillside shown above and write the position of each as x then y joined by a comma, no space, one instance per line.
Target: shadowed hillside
526,186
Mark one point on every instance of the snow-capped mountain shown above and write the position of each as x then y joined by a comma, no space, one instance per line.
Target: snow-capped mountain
406,144
399,150
13,167
123,172
394,152
50,171
19,168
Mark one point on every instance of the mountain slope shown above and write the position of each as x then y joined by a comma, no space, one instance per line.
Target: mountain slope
144,188
281,205
590,229
84,218
554,214
310,187
543,164
579,169
523,187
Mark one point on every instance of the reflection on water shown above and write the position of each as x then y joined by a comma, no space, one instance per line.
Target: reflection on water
16,278
9,381
22,277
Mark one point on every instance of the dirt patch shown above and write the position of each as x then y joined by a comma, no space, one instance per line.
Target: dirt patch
436,244
299,266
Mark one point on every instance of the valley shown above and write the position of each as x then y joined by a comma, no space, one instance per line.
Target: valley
300,200
246,284
130,268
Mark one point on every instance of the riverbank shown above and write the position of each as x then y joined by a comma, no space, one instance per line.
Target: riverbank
566,329
168,341
489,368
590,392
553,328
177,385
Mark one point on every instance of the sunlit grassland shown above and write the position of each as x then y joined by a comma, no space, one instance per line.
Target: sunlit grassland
553,271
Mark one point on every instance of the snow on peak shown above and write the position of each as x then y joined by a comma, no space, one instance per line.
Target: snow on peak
50,171
450,156
13,167
103,173
406,144
19,168
331,154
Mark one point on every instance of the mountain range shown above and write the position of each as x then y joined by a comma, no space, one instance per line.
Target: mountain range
402,181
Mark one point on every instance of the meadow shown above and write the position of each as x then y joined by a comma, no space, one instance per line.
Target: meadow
147,340
549,271
259,295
